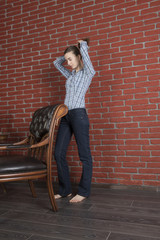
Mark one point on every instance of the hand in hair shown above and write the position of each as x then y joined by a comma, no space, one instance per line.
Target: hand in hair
83,40
79,41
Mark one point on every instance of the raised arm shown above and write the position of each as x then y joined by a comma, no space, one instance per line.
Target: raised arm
85,57
58,63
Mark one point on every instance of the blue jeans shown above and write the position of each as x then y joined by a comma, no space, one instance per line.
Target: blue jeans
75,122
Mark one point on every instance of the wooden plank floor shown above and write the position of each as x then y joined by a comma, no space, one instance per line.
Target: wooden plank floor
109,214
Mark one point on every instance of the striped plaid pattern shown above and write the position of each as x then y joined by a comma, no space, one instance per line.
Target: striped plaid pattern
78,83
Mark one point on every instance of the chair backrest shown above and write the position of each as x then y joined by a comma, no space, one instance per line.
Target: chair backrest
41,121
43,126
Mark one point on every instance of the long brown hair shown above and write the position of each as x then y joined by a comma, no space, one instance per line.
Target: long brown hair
76,49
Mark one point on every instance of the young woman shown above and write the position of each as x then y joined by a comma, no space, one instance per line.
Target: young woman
76,121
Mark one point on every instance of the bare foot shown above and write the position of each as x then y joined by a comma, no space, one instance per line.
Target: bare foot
57,196
77,199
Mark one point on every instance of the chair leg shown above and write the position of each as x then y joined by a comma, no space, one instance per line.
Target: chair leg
4,188
51,195
32,188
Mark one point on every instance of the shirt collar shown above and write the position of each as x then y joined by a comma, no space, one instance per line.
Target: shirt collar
74,71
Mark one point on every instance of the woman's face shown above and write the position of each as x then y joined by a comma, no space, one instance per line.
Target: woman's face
73,61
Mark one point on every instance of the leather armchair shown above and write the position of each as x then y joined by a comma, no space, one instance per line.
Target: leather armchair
39,145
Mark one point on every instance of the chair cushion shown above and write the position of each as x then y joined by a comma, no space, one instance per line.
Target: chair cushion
41,121
16,164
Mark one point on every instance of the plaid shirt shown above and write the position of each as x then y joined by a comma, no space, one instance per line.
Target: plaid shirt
77,83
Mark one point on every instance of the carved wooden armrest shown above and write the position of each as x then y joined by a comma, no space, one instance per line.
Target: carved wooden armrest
22,145
19,145
40,144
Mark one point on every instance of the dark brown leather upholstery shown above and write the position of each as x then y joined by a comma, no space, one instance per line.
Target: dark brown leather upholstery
17,164
41,121
37,163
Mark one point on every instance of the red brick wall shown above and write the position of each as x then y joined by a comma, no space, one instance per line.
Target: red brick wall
123,101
